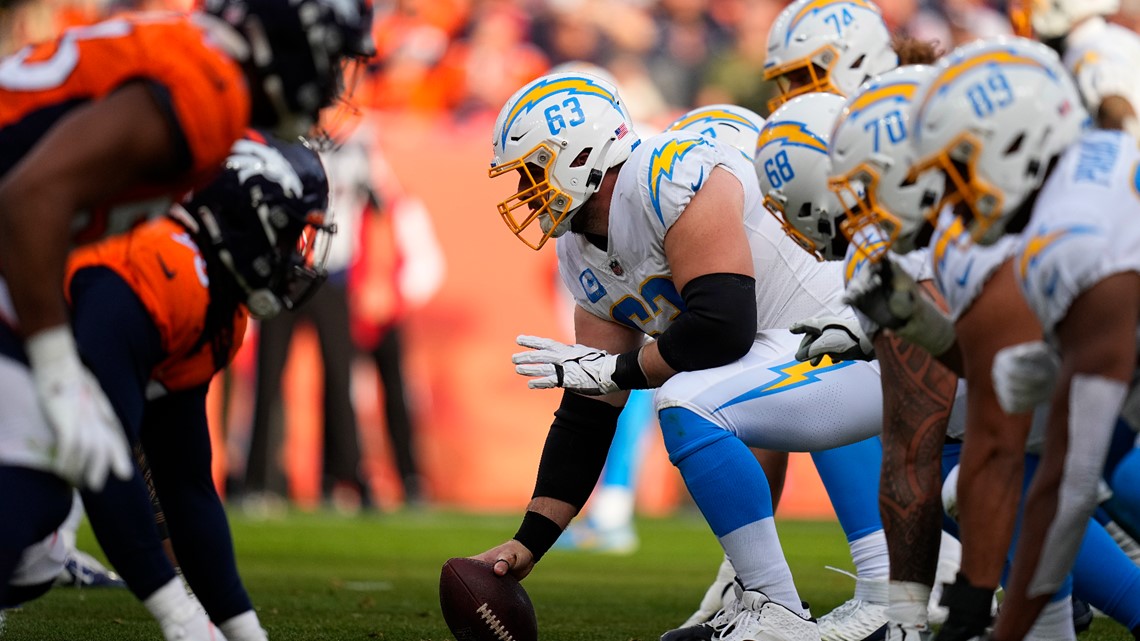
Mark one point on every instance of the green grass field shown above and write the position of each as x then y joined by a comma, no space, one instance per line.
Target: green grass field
324,577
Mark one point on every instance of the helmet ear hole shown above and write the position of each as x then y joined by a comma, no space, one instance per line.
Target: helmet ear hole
582,157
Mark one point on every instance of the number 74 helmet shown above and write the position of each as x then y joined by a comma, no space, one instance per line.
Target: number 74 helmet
992,120
560,133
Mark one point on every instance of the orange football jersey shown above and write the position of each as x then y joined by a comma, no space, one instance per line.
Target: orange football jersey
164,268
199,85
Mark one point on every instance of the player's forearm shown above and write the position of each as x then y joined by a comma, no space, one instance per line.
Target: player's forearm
556,510
917,395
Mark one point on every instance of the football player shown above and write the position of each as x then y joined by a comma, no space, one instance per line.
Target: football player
1103,57
870,157
1023,113
97,128
844,470
156,312
724,378
834,46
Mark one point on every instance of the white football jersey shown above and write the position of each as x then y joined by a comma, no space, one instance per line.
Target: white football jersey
1105,60
913,263
962,267
1085,225
631,282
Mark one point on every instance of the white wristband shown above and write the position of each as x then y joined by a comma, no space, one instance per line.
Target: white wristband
51,346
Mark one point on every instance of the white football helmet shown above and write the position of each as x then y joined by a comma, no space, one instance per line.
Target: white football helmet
791,163
736,126
561,132
992,120
871,156
827,45
1049,19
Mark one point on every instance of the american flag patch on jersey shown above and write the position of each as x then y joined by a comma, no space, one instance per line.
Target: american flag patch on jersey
621,131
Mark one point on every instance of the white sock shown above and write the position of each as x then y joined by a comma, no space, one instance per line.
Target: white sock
243,627
908,601
170,602
869,554
759,561
1055,623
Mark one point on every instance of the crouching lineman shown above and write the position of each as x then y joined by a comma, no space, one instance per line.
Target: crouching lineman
978,282
156,313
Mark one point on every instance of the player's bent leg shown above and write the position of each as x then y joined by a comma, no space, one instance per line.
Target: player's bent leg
732,493
1106,578
851,476
32,505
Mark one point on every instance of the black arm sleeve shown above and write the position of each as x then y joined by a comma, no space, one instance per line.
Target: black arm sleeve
576,449
718,325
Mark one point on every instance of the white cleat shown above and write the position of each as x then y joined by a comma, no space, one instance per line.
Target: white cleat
717,597
196,627
900,632
709,628
861,618
760,619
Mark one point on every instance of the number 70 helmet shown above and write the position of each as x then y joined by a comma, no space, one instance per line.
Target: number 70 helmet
560,133
871,156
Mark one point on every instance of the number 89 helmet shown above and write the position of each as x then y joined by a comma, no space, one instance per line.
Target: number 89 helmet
992,120
791,162
561,133
871,155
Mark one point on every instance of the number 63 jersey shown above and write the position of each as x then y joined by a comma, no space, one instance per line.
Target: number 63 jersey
201,89
630,281
1085,225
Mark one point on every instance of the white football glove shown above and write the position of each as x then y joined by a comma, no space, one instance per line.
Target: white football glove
89,440
828,335
578,368
1024,375
888,295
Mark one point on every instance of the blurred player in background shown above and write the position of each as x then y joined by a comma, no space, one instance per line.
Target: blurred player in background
104,125
1103,57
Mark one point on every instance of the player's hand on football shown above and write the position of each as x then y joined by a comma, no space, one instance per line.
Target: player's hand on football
578,368
511,557
89,440
828,335
1024,375
888,295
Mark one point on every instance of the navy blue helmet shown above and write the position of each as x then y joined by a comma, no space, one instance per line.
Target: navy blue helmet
264,218
297,52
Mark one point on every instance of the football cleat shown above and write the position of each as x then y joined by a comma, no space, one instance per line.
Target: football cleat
81,570
862,617
900,632
717,597
760,619
587,537
708,629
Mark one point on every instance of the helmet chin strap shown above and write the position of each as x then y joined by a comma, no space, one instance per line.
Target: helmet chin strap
262,303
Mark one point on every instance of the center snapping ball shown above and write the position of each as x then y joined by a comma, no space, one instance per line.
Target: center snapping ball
478,605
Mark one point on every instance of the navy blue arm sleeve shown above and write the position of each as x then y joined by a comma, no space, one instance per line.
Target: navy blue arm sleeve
117,340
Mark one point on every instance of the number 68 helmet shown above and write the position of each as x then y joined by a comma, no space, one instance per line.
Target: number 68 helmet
871,156
561,133
992,120
791,163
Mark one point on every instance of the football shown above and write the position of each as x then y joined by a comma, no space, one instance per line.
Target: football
480,606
